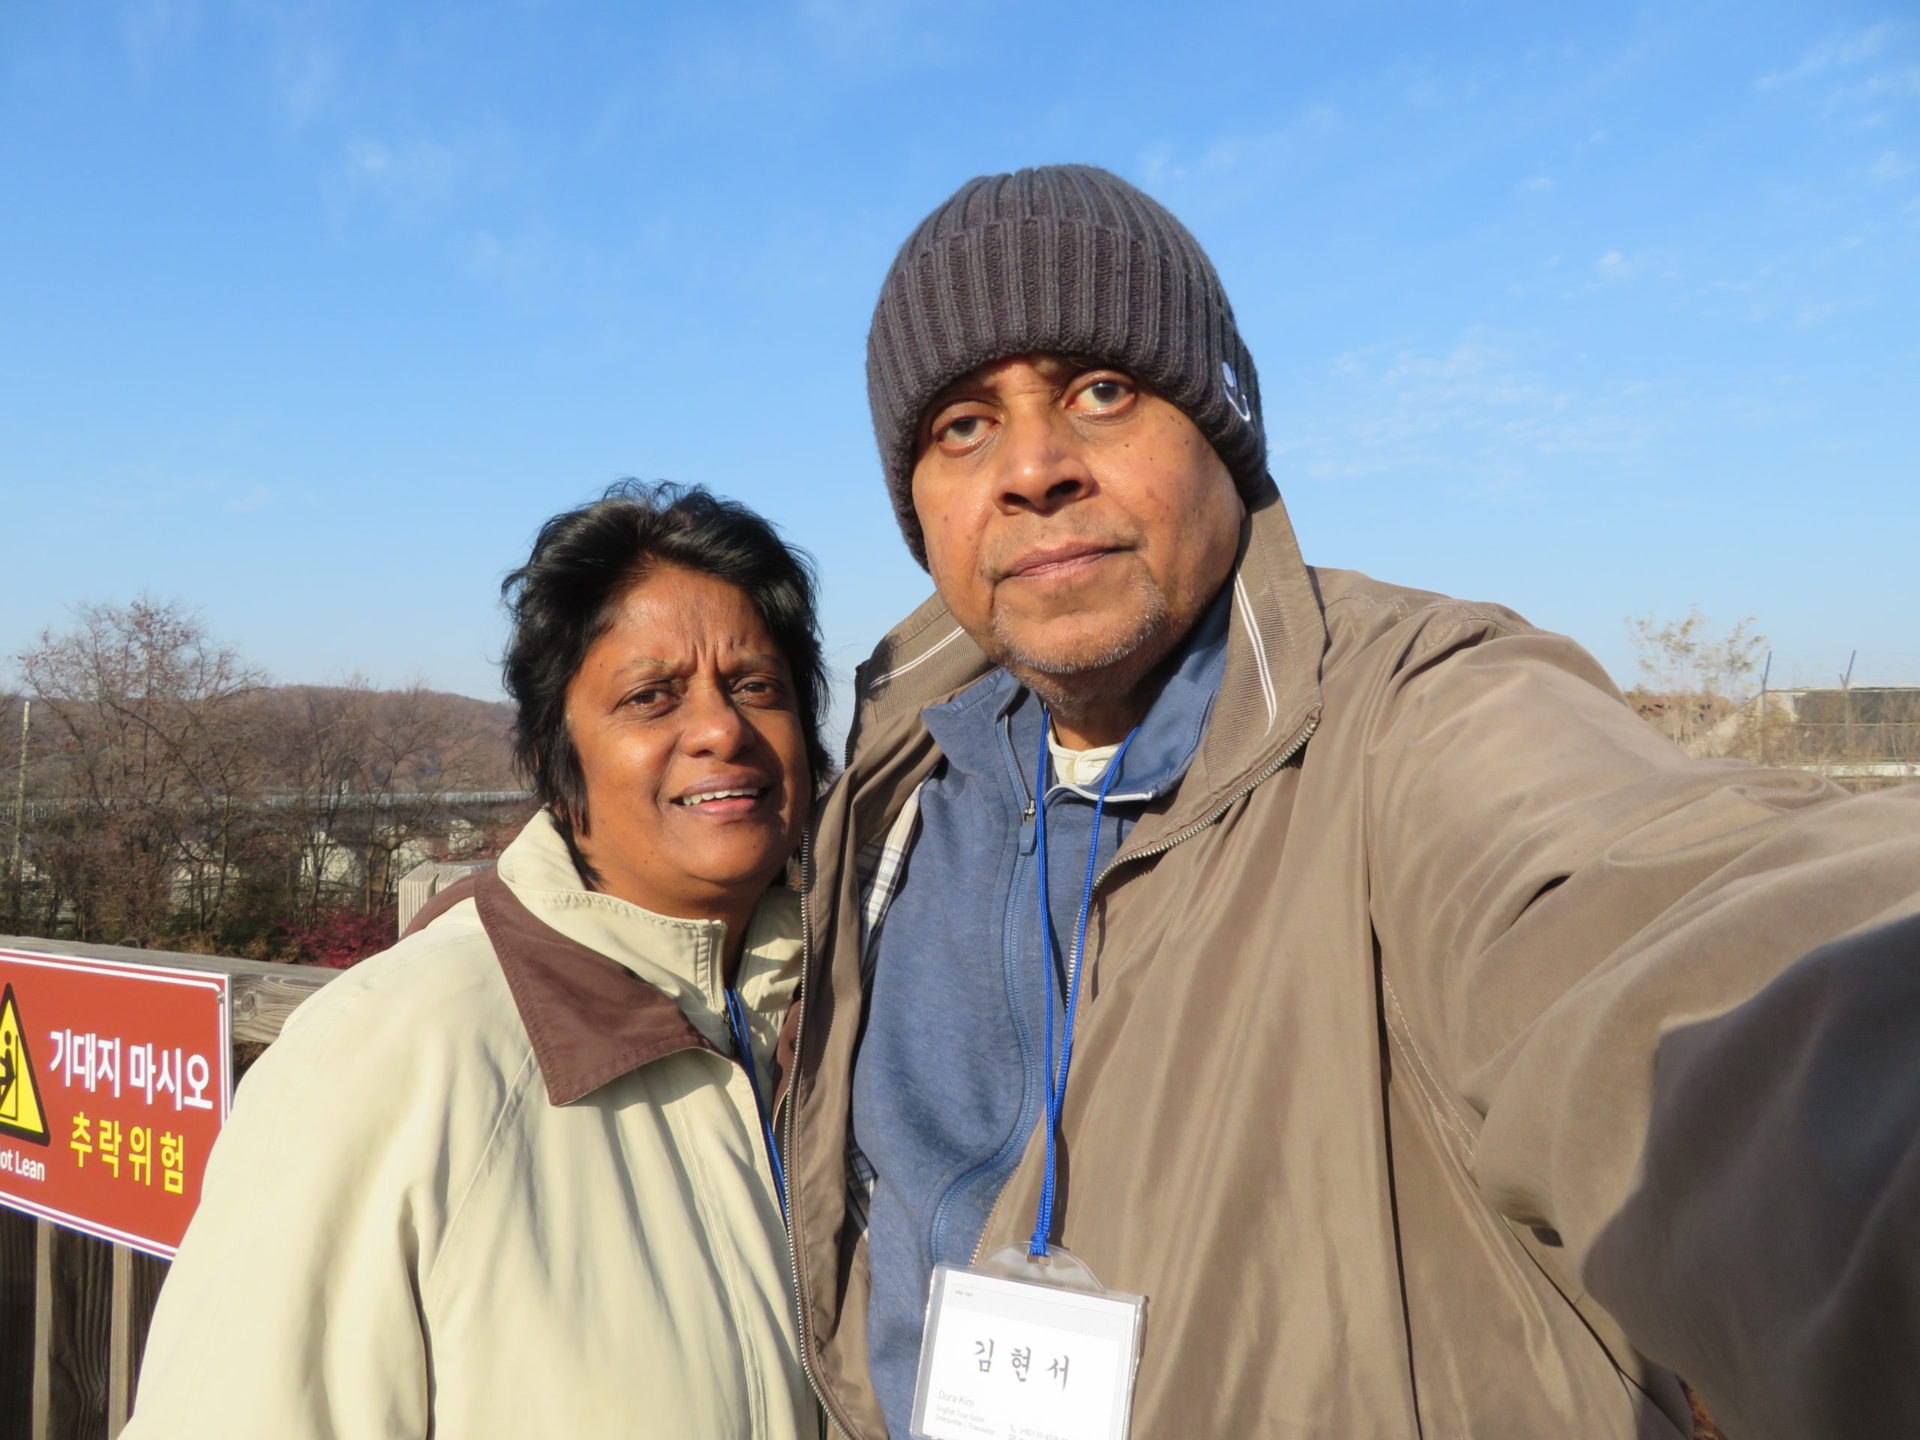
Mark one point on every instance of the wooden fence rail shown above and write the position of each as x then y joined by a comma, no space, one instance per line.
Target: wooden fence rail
74,1310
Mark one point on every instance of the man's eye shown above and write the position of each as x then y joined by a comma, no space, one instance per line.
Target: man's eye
963,430
1107,394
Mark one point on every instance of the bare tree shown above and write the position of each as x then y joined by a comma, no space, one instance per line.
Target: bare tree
152,764
317,738
1691,678
177,799
424,746
365,782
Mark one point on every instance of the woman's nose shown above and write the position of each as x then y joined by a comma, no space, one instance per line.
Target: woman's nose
714,724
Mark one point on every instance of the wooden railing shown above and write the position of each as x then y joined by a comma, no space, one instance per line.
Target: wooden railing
74,1310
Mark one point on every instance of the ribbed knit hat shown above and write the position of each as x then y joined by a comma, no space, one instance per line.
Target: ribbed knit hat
1065,260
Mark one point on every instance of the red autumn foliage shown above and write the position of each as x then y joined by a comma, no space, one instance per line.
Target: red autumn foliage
341,938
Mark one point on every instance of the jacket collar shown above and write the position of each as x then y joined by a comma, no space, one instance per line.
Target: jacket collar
1267,703
604,987
995,722
589,1020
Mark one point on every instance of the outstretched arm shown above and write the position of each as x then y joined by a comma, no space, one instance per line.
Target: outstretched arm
1584,928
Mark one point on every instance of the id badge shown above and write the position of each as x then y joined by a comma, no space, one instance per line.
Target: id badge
1021,1348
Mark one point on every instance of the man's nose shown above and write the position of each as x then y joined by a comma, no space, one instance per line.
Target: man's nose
1042,464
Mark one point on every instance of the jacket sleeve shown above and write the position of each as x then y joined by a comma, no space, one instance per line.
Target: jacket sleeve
1581,930
292,1308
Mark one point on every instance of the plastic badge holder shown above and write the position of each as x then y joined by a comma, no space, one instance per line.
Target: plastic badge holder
1025,1347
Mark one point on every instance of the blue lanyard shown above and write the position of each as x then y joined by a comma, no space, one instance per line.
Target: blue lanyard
737,1023
1057,1079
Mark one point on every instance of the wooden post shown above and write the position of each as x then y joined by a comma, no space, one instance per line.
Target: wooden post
17,1266
73,1301
136,1286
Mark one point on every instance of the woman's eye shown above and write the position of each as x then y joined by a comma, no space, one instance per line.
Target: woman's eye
650,696
759,688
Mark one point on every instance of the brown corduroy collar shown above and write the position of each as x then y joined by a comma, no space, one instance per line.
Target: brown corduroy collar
589,1019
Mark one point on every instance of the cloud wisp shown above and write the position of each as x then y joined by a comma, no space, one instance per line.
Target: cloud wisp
1839,52
155,28
1474,413
1255,154
1863,76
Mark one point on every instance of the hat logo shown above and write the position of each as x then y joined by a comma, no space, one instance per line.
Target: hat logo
1241,406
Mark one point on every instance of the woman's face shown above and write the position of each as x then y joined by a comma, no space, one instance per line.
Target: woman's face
690,741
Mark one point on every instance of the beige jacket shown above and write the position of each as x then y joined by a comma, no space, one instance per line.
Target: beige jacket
1367,1044
516,1194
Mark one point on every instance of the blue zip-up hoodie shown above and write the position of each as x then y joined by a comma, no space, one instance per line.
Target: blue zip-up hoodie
951,1079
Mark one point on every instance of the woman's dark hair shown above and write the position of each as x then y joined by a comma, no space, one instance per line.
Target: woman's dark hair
585,560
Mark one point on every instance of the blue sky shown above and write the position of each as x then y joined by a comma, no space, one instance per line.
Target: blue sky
309,313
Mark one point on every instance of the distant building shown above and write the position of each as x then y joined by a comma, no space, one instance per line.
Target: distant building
1866,737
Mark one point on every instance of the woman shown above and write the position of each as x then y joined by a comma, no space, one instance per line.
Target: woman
514,1177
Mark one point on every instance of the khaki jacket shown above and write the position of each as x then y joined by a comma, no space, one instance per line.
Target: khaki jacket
1367,1037
489,1184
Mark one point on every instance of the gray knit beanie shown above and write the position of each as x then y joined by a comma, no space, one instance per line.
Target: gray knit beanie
1065,260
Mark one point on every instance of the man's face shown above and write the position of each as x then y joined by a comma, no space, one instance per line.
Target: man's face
1076,523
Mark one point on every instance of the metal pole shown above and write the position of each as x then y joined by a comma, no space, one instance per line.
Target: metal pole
1846,691
1766,674
20,809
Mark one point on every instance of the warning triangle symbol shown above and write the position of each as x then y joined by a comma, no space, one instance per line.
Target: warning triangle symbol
20,1112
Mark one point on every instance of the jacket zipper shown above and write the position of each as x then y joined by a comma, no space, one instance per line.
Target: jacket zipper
1159,848
1009,1153
840,1427
787,1100
1011,755
799,1034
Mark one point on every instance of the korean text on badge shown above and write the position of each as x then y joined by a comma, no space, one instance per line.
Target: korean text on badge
1014,1360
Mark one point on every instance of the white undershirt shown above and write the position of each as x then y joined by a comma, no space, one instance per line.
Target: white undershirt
1079,768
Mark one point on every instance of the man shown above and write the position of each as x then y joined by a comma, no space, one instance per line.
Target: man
1417,1075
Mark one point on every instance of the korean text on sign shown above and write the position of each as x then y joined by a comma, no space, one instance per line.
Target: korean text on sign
114,1082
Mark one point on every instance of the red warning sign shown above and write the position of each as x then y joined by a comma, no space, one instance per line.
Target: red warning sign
114,1080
